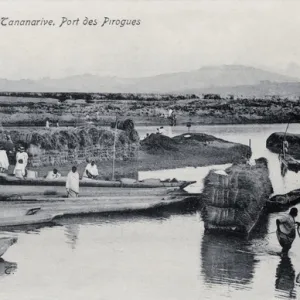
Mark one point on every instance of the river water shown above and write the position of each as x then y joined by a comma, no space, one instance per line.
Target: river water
163,255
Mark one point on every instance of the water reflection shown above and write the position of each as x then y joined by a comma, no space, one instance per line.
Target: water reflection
158,213
30,229
285,278
226,260
72,232
261,228
284,169
7,268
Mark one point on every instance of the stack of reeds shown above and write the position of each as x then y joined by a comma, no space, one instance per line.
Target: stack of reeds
234,201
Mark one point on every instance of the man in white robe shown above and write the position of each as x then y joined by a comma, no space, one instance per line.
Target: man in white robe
53,174
3,161
22,160
91,171
72,184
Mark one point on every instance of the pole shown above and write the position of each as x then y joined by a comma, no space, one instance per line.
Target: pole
114,151
284,137
286,129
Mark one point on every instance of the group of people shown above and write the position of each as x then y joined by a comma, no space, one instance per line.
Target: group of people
47,125
21,162
72,182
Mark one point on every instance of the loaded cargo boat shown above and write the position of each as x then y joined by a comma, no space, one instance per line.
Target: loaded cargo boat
235,198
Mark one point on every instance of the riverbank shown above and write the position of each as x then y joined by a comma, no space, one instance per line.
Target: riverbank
159,152
145,111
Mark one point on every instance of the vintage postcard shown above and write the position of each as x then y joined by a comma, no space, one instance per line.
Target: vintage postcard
149,150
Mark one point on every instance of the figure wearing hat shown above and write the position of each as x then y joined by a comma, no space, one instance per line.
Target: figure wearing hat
21,162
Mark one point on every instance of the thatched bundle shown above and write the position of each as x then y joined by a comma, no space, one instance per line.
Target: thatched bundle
127,125
235,200
73,138
155,143
47,147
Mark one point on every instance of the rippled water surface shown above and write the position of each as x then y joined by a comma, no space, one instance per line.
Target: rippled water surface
157,255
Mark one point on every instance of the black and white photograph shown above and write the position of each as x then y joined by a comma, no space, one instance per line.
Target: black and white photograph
149,150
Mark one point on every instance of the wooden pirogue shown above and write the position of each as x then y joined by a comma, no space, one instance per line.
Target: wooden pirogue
126,183
283,202
5,243
289,162
17,209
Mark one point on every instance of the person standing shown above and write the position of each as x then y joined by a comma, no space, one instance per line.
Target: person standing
72,183
10,149
286,231
285,147
21,160
4,163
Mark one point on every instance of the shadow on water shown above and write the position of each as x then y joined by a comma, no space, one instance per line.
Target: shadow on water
7,268
157,213
261,229
285,278
226,261
72,233
72,224
29,229
231,260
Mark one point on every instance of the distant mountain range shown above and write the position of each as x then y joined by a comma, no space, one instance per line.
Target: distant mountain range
226,79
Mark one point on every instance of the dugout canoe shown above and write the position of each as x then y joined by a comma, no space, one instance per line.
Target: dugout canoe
289,162
5,243
283,202
27,210
124,183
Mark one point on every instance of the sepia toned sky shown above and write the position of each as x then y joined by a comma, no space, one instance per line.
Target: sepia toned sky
173,36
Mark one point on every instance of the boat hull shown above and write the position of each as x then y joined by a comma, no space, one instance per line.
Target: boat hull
283,202
289,162
47,209
11,180
5,243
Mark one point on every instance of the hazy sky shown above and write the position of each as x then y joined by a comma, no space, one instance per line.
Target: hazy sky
173,36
